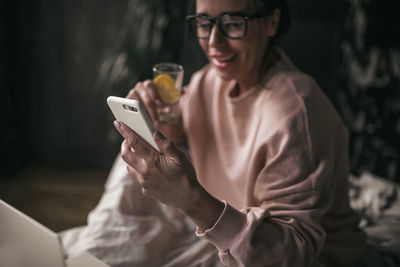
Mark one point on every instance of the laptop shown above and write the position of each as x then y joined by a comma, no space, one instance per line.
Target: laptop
25,242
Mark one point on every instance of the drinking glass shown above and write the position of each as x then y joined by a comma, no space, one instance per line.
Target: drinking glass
168,78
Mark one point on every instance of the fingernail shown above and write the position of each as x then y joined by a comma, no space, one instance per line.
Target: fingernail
159,136
117,124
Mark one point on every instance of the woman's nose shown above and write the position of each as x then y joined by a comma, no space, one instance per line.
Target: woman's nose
216,36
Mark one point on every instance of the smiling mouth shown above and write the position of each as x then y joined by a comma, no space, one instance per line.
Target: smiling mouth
222,61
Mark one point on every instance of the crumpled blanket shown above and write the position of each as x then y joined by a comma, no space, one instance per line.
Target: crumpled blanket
377,200
373,197
128,229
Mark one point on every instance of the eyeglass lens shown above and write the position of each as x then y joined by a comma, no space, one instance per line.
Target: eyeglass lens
231,26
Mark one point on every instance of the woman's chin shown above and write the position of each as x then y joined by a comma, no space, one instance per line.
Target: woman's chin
225,74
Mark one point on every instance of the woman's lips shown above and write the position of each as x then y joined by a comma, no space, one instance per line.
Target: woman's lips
222,61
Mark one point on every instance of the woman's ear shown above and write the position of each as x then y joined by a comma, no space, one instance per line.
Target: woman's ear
273,22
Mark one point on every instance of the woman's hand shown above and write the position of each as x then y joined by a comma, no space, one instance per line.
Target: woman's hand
146,93
168,177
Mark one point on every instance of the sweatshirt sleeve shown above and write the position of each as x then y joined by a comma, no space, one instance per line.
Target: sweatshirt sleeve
292,191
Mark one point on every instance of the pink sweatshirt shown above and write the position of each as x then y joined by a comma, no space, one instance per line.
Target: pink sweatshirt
277,154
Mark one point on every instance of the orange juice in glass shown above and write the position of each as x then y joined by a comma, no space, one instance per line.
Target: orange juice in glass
168,79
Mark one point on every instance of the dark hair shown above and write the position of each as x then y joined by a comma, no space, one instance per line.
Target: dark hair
268,6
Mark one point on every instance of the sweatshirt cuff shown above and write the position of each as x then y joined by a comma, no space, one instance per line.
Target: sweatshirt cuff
225,230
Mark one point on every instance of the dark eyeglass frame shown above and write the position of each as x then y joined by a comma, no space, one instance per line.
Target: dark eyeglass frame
217,20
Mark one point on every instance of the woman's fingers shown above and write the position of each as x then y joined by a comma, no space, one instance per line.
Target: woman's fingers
151,89
134,160
141,147
132,94
138,168
145,92
135,152
140,179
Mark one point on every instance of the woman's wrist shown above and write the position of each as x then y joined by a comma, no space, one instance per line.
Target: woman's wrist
204,210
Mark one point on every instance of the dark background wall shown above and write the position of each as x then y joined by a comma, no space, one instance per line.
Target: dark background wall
368,93
54,113
59,60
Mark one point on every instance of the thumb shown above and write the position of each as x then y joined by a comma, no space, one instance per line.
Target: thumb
166,146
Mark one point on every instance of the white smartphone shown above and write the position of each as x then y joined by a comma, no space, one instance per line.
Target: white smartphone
133,114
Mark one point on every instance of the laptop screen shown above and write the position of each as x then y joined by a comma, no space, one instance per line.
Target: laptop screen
25,242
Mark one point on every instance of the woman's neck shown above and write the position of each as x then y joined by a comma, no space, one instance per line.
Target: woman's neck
270,58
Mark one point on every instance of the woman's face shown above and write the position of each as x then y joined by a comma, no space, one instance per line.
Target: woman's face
236,59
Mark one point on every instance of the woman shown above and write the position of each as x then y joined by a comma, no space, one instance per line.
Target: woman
267,179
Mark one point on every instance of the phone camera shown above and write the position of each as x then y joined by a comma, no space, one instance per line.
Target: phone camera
133,109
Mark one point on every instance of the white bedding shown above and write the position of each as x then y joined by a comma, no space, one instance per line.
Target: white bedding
122,231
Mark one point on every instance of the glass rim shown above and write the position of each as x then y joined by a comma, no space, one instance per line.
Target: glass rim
167,67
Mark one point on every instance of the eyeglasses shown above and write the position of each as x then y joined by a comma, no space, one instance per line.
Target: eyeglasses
232,25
